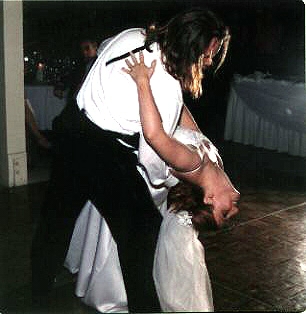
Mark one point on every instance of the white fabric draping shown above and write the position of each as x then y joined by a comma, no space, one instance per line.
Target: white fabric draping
267,113
45,105
93,255
180,274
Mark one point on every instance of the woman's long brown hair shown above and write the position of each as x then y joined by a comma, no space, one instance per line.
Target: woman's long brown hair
189,197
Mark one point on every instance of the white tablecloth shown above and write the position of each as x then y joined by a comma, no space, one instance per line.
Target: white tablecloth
45,105
267,113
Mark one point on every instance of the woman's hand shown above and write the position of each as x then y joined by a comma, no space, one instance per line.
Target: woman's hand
138,70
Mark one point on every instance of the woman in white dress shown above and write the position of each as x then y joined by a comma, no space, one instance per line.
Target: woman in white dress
180,273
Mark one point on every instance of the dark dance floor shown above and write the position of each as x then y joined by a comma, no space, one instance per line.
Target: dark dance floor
256,264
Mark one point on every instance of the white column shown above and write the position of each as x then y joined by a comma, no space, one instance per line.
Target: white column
13,160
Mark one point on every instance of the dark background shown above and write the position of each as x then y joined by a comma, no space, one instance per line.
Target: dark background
267,36
259,28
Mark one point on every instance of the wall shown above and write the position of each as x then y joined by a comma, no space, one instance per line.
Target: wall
13,164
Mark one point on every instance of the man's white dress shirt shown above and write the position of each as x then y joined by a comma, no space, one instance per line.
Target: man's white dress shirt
110,100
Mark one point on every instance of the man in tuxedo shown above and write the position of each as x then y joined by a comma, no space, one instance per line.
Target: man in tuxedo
68,119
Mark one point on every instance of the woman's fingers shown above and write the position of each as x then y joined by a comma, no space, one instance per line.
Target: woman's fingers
138,69
129,64
128,71
133,57
141,60
141,57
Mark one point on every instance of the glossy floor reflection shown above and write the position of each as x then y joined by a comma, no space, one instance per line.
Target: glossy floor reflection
257,263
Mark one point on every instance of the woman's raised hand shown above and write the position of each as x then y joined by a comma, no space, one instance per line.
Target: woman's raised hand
137,69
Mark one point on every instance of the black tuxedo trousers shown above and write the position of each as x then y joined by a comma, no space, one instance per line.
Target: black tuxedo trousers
90,164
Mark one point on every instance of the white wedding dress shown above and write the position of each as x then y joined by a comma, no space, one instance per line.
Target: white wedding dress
180,273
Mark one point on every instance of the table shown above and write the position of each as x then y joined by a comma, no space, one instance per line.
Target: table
45,105
267,113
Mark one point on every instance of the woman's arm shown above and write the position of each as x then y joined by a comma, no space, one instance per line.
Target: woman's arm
32,125
218,189
174,153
